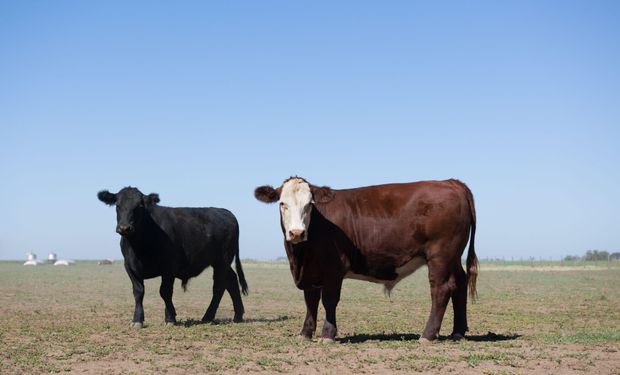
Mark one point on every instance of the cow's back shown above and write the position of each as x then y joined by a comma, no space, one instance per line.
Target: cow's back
394,222
200,234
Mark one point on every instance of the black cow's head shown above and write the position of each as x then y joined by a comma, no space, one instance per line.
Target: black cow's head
131,207
296,196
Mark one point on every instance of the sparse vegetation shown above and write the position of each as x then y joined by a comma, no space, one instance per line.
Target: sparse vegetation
527,320
593,256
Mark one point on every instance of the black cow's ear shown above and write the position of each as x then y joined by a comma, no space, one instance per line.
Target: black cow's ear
321,194
151,198
267,194
107,197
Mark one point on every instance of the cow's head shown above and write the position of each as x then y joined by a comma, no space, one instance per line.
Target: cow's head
296,197
131,207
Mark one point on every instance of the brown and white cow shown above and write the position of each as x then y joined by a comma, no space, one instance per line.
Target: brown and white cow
381,234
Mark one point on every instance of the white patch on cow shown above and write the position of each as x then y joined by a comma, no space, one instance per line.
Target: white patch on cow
295,209
401,272
355,276
404,271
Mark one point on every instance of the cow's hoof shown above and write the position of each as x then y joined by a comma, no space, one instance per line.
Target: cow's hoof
456,337
171,324
325,340
137,325
424,341
304,338
237,320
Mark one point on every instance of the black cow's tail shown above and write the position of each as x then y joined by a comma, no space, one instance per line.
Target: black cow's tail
242,282
472,260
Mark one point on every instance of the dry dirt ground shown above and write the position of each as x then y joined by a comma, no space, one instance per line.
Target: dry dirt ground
527,321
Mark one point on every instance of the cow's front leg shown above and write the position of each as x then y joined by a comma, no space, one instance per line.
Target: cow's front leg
138,295
165,291
312,297
330,297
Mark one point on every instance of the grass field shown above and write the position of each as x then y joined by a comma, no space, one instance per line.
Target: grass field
527,320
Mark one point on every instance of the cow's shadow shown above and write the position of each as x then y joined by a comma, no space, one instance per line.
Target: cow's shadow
360,338
195,322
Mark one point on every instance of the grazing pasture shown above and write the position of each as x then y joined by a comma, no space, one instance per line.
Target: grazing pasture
527,320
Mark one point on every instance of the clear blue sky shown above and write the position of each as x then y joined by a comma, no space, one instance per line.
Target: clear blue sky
202,102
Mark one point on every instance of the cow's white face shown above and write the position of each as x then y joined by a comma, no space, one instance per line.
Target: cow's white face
295,209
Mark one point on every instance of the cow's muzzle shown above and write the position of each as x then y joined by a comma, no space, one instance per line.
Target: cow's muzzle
297,235
124,230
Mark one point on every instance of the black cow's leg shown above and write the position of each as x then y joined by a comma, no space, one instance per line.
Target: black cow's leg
232,286
459,303
442,285
138,295
165,291
219,286
312,297
330,295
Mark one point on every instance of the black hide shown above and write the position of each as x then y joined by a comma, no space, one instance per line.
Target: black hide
177,243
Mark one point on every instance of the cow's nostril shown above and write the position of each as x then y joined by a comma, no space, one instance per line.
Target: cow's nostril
296,233
124,229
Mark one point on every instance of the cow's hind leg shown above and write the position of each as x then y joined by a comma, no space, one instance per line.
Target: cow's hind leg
312,298
459,302
232,286
165,291
442,285
219,286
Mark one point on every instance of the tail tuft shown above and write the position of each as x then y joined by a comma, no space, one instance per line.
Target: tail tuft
242,282
472,273
472,260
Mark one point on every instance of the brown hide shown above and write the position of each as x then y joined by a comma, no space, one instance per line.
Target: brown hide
370,232
373,230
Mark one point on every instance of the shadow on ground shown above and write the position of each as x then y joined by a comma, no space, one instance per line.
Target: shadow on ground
489,337
194,322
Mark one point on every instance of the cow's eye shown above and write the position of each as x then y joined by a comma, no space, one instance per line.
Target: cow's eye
283,205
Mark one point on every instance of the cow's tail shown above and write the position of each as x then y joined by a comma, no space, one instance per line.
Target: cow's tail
472,260
242,282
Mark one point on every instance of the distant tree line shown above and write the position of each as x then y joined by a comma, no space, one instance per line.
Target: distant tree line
594,255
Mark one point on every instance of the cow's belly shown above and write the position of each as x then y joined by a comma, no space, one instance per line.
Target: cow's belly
401,272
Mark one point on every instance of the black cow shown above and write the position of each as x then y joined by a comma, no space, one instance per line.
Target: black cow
176,243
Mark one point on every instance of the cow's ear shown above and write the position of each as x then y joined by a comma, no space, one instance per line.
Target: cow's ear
321,194
267,194
107,197
152,198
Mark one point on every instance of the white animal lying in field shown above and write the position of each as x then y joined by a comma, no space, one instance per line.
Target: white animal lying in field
33,262
64,263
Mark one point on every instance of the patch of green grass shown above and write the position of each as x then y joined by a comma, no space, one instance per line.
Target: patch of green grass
475,358
268,364
497,372
583,338
235,361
